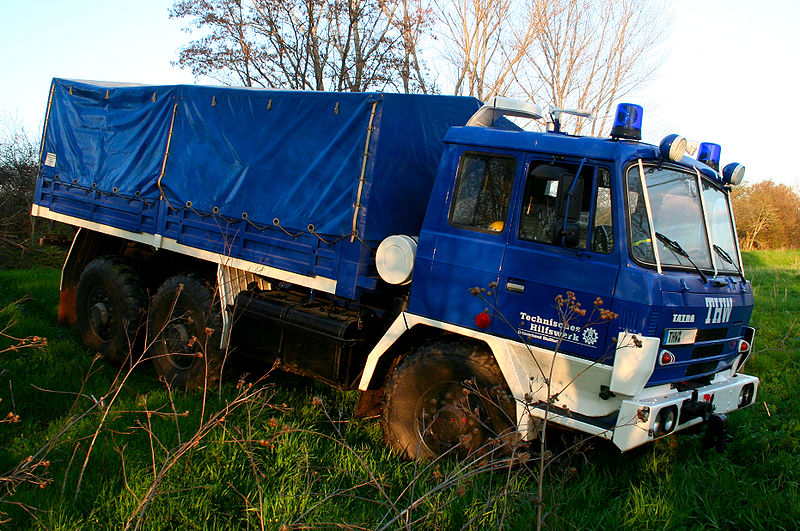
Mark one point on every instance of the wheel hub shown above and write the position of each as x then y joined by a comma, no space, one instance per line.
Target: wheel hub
451,422
176,336
101,313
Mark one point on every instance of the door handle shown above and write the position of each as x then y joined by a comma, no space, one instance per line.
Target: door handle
515,285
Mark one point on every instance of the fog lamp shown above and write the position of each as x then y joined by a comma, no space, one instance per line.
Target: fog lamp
666,420
733,173
673,147
746,394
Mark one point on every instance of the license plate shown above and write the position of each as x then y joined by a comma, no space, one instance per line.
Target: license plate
680,337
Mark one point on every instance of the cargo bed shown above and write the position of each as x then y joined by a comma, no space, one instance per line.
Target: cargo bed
300,186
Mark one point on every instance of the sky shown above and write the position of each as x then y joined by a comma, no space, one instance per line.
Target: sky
728,72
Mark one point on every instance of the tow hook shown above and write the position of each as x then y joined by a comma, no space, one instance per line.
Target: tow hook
692,409
716,432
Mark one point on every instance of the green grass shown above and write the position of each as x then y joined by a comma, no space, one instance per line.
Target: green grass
293,454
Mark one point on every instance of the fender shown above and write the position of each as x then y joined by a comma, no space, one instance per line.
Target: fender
526,369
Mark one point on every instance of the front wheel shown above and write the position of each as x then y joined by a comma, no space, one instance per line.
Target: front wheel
447,397
186,320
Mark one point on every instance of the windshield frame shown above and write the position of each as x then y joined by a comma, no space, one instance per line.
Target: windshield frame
712,263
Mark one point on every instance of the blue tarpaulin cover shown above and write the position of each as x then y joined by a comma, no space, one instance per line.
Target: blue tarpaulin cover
262,154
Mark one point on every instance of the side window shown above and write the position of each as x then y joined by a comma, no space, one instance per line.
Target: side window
540,203
557,207
483,191
602,229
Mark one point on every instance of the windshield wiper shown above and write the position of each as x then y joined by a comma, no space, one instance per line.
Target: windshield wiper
725,256
676,248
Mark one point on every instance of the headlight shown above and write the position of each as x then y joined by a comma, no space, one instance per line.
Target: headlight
666,420
746,394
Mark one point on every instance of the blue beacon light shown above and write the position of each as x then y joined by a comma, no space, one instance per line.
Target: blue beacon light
708,154
628,122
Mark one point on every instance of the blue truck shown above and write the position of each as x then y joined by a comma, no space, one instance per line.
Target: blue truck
468,276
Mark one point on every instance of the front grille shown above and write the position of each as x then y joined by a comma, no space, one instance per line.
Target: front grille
710,343
711,334
707,351
700,368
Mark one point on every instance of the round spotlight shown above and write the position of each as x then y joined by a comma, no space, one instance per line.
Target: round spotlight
708,154
673,147
746,395
733,173
665,422
670,418
628,122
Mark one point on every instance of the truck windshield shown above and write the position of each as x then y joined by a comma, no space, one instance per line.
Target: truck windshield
719,219
677,214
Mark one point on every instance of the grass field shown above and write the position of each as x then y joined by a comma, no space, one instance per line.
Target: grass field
282,451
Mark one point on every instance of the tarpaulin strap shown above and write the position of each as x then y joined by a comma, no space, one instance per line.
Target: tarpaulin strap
363,177
166,152
262,228
115,192
137,197
277,223
201,214
365,244
323,240
46,121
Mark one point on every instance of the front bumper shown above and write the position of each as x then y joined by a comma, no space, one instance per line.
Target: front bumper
642,420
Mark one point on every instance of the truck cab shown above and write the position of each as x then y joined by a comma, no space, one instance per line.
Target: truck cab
519,222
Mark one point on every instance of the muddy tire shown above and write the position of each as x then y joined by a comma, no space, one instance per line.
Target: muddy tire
109,305
186,321
447,397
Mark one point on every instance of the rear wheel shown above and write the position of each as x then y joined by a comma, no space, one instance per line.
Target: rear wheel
109,303
186,321
447,397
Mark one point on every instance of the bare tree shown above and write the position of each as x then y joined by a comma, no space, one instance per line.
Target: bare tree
485,41
590,53
351,45
293,40
226,52
412,19
571,53
366,48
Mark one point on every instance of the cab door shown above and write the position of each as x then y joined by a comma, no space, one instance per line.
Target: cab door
465,235
563,241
